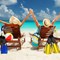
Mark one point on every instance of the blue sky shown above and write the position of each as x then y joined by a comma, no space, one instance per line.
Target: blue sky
20,8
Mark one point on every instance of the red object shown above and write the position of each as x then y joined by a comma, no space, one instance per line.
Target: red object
8,38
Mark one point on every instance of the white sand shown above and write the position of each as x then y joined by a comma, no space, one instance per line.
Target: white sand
26,53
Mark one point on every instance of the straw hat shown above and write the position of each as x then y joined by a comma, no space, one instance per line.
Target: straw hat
46,22
14,20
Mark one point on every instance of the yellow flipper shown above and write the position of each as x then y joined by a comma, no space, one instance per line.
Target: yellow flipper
56,48
47,49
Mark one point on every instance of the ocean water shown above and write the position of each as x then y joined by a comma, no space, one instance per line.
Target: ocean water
31,26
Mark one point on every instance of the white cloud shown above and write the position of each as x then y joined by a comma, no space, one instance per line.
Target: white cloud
48,11
54,12
8,2
43,14
5,12
40,15
57,3
26,11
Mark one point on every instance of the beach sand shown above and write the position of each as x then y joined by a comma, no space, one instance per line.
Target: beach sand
27,53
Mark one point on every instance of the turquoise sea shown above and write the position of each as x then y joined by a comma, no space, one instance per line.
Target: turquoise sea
30,25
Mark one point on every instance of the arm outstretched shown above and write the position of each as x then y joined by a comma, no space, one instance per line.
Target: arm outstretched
55,20
25,18
3,22
34,17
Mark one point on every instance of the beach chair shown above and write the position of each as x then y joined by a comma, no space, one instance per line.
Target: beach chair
44,34
15,30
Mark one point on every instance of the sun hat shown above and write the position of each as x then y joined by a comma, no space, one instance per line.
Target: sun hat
46,22
14,20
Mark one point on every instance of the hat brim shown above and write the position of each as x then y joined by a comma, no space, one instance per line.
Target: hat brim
46,25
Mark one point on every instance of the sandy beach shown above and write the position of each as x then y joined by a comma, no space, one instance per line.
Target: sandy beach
27,53
30,17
